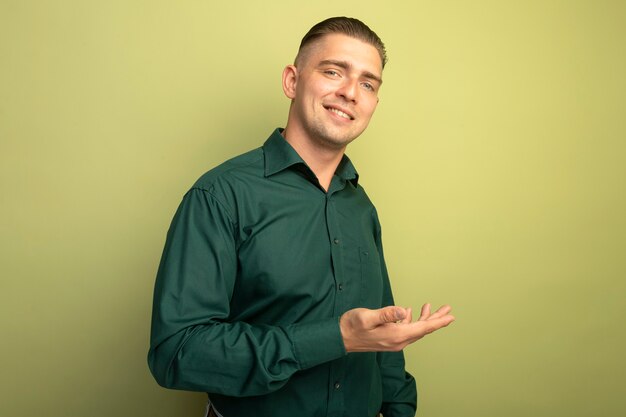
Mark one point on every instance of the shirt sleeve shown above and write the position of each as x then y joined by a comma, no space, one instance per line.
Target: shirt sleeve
399,390
193,344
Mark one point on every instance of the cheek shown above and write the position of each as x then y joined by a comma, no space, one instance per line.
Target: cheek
370,106
321,88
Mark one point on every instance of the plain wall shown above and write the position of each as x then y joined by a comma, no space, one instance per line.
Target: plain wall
496,159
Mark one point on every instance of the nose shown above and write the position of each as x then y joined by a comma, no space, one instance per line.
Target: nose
348,90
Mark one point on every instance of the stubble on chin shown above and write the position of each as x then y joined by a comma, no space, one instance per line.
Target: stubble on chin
331,140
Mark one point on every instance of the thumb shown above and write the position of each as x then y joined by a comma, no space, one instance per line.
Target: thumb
391,314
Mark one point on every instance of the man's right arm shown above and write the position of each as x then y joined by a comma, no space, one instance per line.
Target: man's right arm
193,345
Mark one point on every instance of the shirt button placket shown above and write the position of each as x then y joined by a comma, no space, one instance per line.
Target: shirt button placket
335,250
336,400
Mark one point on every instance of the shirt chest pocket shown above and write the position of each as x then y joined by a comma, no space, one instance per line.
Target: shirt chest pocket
371,278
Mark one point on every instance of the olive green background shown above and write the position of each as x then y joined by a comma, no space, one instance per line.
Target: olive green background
496,159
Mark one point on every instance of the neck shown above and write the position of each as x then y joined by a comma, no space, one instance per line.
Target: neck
322,160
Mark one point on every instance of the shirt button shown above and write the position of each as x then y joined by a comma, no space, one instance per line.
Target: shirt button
337,385
340,286
336,241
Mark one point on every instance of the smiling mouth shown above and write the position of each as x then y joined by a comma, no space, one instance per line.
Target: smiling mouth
339,113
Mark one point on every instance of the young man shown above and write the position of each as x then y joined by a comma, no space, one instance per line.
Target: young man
272,294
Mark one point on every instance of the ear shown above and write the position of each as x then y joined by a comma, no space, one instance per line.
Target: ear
290,79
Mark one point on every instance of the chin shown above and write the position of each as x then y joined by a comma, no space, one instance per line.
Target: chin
331,138
337,143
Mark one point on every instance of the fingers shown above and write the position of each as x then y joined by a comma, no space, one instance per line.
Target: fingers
395,314
409,316
440,322
441,311
422,328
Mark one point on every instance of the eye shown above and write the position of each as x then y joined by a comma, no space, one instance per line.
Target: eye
368,86
332,73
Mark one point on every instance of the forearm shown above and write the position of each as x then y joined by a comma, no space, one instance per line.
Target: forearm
239,359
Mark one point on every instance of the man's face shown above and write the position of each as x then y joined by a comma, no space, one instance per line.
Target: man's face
335,90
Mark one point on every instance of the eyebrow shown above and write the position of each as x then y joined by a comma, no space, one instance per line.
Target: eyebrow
345,65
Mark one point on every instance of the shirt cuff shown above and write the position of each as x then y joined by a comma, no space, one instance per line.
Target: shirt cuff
317,343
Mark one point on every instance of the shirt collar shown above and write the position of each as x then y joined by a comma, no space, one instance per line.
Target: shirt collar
280,155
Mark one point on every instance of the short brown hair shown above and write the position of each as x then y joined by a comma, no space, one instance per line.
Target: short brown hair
348,26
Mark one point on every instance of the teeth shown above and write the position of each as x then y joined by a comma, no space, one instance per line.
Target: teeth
339,113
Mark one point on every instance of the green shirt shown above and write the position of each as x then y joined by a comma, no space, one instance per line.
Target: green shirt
259,264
